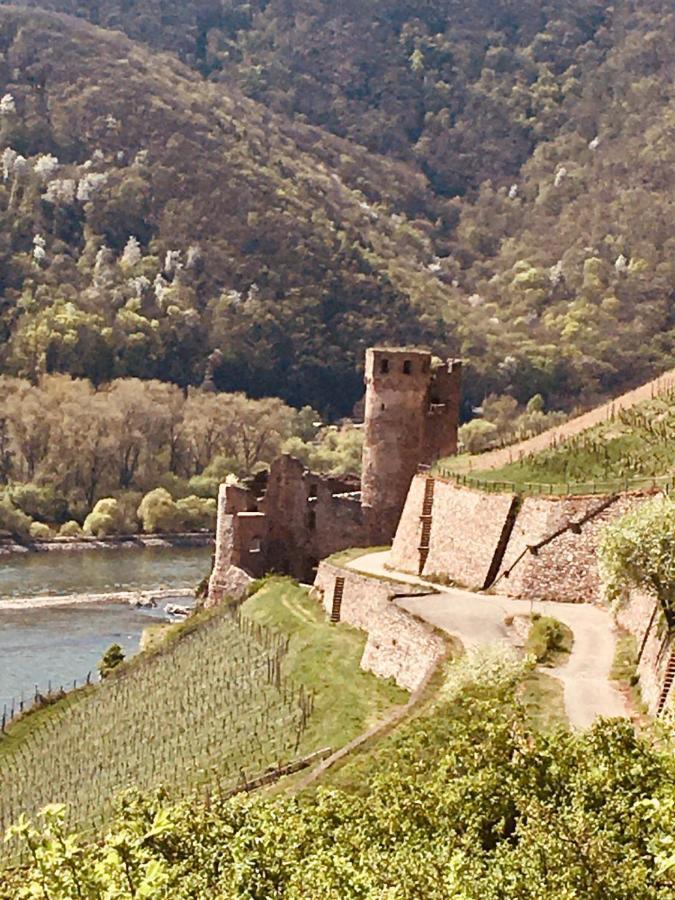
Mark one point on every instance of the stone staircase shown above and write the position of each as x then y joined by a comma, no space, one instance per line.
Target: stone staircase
667,684
426,518
338,593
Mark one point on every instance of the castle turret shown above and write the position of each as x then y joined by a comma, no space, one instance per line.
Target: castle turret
411,416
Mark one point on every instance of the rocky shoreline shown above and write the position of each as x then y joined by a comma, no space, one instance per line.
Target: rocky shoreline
9,547
141,599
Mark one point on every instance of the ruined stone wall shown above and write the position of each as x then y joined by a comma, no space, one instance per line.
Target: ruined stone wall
442,419
566,568
466,527
398,646
307,520
237,536
641,616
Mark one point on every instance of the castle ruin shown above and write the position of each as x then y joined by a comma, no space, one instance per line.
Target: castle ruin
289,519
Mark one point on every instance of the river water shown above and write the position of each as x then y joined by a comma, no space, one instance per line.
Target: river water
59,643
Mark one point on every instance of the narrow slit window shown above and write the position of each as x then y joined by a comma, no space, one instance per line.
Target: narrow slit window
384,366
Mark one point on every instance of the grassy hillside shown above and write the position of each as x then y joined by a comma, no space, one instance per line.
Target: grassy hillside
464,800
637,445
221,697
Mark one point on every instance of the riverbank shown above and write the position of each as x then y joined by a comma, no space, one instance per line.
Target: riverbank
9,547
137,599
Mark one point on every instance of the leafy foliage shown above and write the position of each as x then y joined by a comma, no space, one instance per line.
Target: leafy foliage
477,195
463,801
638,550
68,446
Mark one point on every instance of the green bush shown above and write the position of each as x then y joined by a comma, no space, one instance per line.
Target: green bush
112,658
638,550
70,529
548,639
41,503
105,519
158,512
198,514
13,520
40,532
477,435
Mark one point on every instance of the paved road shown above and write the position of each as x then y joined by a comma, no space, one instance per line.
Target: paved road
479,619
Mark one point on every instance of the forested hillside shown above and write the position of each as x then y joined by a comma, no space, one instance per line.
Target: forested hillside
493,179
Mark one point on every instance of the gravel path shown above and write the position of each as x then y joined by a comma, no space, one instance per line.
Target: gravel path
479,619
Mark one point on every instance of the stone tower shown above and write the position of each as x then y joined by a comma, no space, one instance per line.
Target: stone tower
411,419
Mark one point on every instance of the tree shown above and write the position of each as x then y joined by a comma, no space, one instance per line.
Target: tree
105,519
159,513
638,550
110,660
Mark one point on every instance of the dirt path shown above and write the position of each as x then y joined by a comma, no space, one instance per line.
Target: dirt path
497,458
479,619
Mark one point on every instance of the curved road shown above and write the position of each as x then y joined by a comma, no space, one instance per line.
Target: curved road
479,619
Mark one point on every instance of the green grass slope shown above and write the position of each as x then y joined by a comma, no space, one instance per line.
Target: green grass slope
218,699
634,448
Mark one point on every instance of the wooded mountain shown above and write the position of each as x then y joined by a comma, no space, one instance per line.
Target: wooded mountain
494,179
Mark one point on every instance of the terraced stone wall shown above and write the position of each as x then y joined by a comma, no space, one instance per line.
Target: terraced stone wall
399,646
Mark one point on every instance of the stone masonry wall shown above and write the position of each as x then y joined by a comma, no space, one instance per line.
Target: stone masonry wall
398,646
466,527
465,532
566,568
640,616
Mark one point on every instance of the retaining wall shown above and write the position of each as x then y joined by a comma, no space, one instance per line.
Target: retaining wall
399,646
566,568
468,537
466,529
642,617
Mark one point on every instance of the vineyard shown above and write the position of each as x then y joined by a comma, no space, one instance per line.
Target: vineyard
633,448
214,707
227,696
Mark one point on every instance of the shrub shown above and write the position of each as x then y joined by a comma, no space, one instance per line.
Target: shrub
13,520
197,513
548,638
41,503
70,529
638,550
112,658
40,532
477,435
105,518
159,513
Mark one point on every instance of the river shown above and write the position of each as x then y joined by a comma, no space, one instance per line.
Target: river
59,643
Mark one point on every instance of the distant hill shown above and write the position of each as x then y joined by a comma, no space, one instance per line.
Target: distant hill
284,245
493,180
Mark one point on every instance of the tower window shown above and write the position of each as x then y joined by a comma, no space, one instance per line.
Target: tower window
384,366
313,491
311,520
407,367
